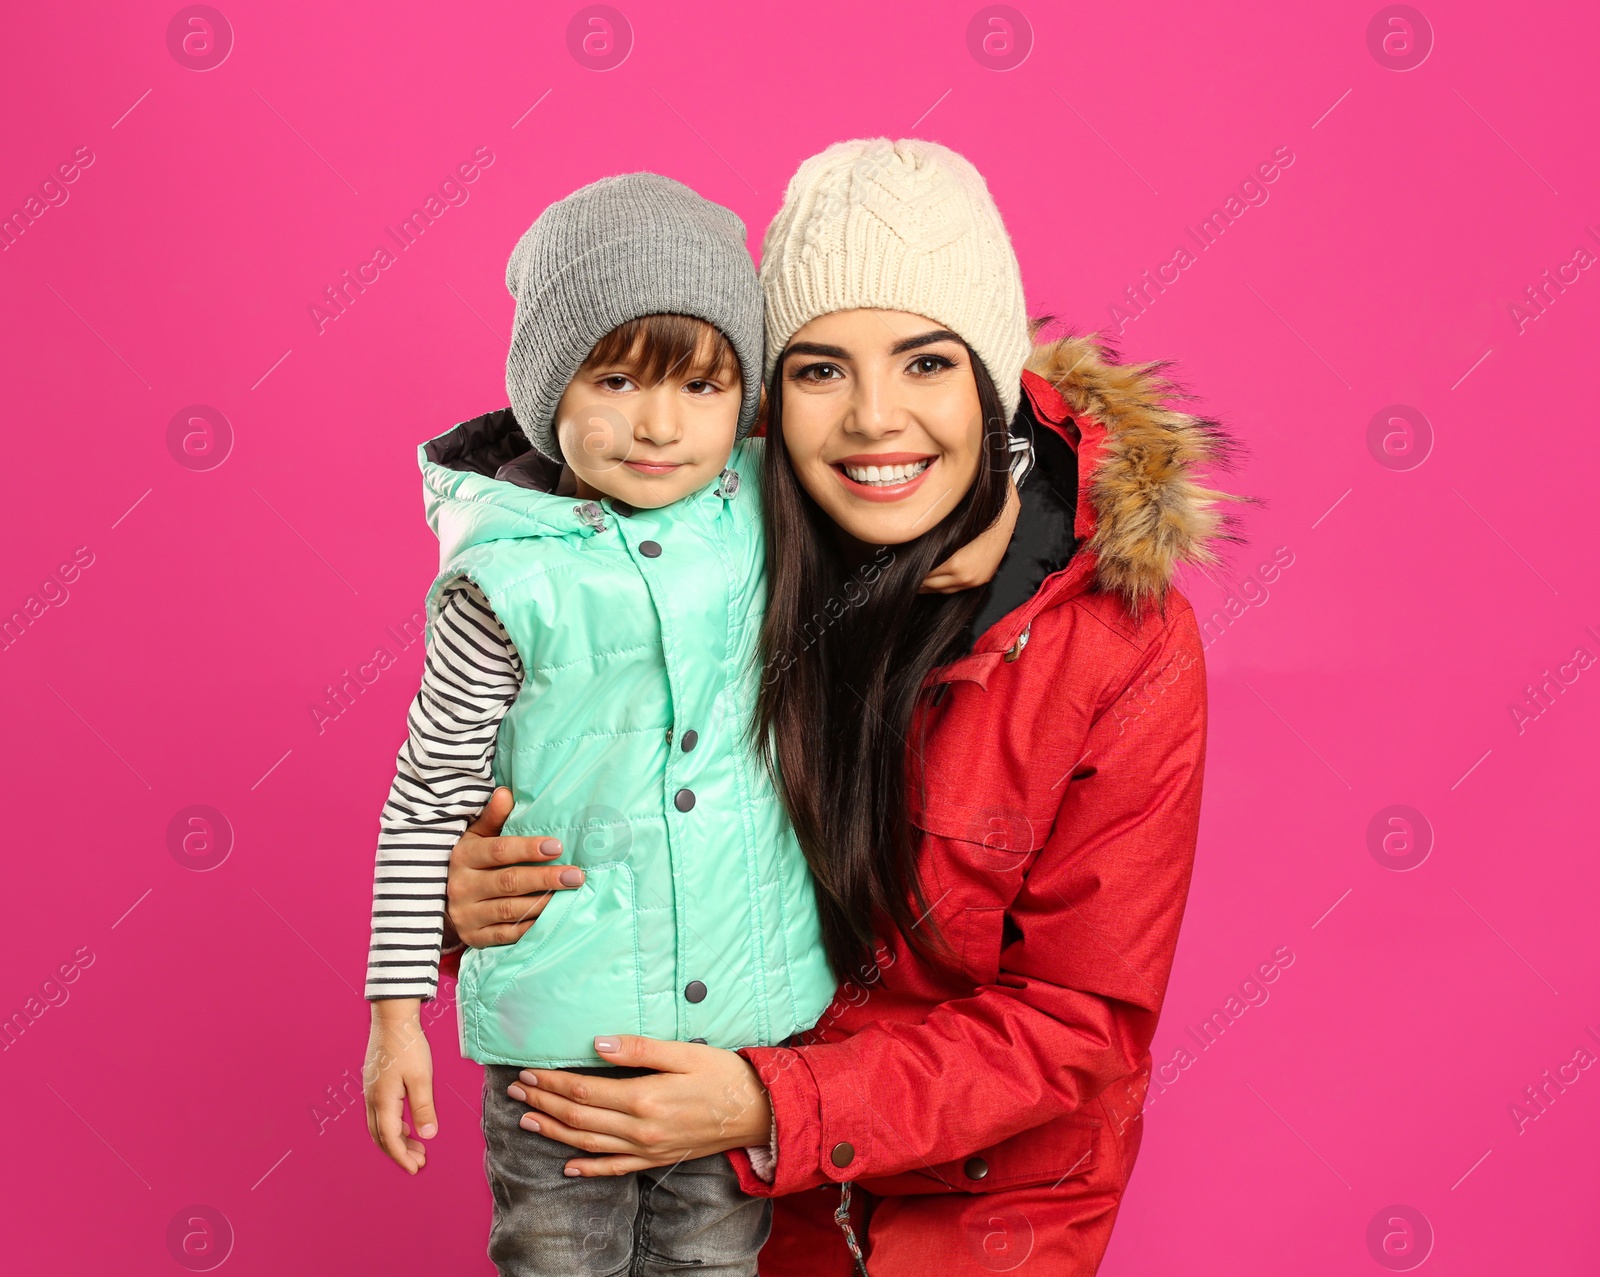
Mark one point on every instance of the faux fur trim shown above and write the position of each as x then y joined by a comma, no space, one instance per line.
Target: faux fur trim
1153,514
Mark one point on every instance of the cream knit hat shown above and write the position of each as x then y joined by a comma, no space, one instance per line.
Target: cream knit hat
905,225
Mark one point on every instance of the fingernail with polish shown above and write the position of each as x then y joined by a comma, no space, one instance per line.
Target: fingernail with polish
607,1045
570,1173
528,1078
550,847
571,877
528,1122
516,1092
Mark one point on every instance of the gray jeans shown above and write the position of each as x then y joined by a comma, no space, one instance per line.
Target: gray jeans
673,1219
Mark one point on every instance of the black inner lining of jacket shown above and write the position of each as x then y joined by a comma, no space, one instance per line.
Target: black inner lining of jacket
494,445
1043,542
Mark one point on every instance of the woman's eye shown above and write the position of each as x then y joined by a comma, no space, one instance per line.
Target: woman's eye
818,372
927,365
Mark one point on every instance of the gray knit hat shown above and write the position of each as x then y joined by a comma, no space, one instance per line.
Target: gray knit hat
615,250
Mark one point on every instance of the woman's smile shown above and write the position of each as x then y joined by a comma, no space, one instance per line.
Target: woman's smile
887,476
873,403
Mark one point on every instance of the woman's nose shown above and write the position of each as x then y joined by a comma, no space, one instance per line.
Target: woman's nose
873,411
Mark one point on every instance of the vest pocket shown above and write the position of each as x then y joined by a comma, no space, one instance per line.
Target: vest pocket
573,974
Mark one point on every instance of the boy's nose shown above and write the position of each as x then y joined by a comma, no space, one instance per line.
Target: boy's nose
656,422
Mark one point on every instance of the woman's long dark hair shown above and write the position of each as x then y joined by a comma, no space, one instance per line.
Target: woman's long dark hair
846,645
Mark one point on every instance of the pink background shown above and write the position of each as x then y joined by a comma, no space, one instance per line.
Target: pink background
192,1061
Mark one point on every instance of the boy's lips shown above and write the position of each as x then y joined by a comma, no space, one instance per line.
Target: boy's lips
654,467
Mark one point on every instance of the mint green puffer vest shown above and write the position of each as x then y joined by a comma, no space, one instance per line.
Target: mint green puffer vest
629,741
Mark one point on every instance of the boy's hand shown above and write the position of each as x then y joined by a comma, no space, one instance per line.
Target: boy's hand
976,562
399,1067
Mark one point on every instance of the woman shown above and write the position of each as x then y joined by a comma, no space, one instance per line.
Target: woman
997,789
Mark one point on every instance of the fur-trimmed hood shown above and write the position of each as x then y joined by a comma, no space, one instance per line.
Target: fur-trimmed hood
1152,511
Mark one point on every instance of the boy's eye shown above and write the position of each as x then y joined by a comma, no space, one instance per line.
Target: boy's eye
616,381
927,365
701,387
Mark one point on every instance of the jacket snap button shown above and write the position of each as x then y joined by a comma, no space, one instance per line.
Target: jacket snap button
684,800
691,738
843,1154
1022,642
669,735
622,508
976,1168
701,1041
650,549
694,991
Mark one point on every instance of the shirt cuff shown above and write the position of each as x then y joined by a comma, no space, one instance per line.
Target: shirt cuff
764,1160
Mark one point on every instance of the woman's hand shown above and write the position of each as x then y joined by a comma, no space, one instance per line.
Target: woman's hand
704,1100
399,1069
499,886
976,562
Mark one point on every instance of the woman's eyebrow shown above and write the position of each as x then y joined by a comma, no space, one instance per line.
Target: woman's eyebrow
815,348
926,339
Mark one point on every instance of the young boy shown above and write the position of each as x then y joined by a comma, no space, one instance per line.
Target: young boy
592,644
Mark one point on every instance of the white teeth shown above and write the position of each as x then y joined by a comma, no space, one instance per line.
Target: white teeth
885,475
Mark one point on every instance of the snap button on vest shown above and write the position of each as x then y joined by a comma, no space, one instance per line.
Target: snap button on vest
691,738
843,1154
650,549
694,991
684,801
976,1168
622,508
701,1041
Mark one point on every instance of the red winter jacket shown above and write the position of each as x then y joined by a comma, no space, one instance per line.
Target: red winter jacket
988,1113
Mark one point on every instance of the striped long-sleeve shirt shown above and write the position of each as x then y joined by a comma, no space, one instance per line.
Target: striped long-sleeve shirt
442,781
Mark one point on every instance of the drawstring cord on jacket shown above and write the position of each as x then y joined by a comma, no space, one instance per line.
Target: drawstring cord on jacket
841,1217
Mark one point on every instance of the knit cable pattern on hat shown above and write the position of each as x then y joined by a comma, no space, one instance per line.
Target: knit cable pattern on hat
907,226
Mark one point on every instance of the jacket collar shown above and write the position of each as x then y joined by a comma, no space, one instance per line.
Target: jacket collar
1143,509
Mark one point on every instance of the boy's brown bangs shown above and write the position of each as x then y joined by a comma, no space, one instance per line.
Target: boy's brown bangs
655,347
